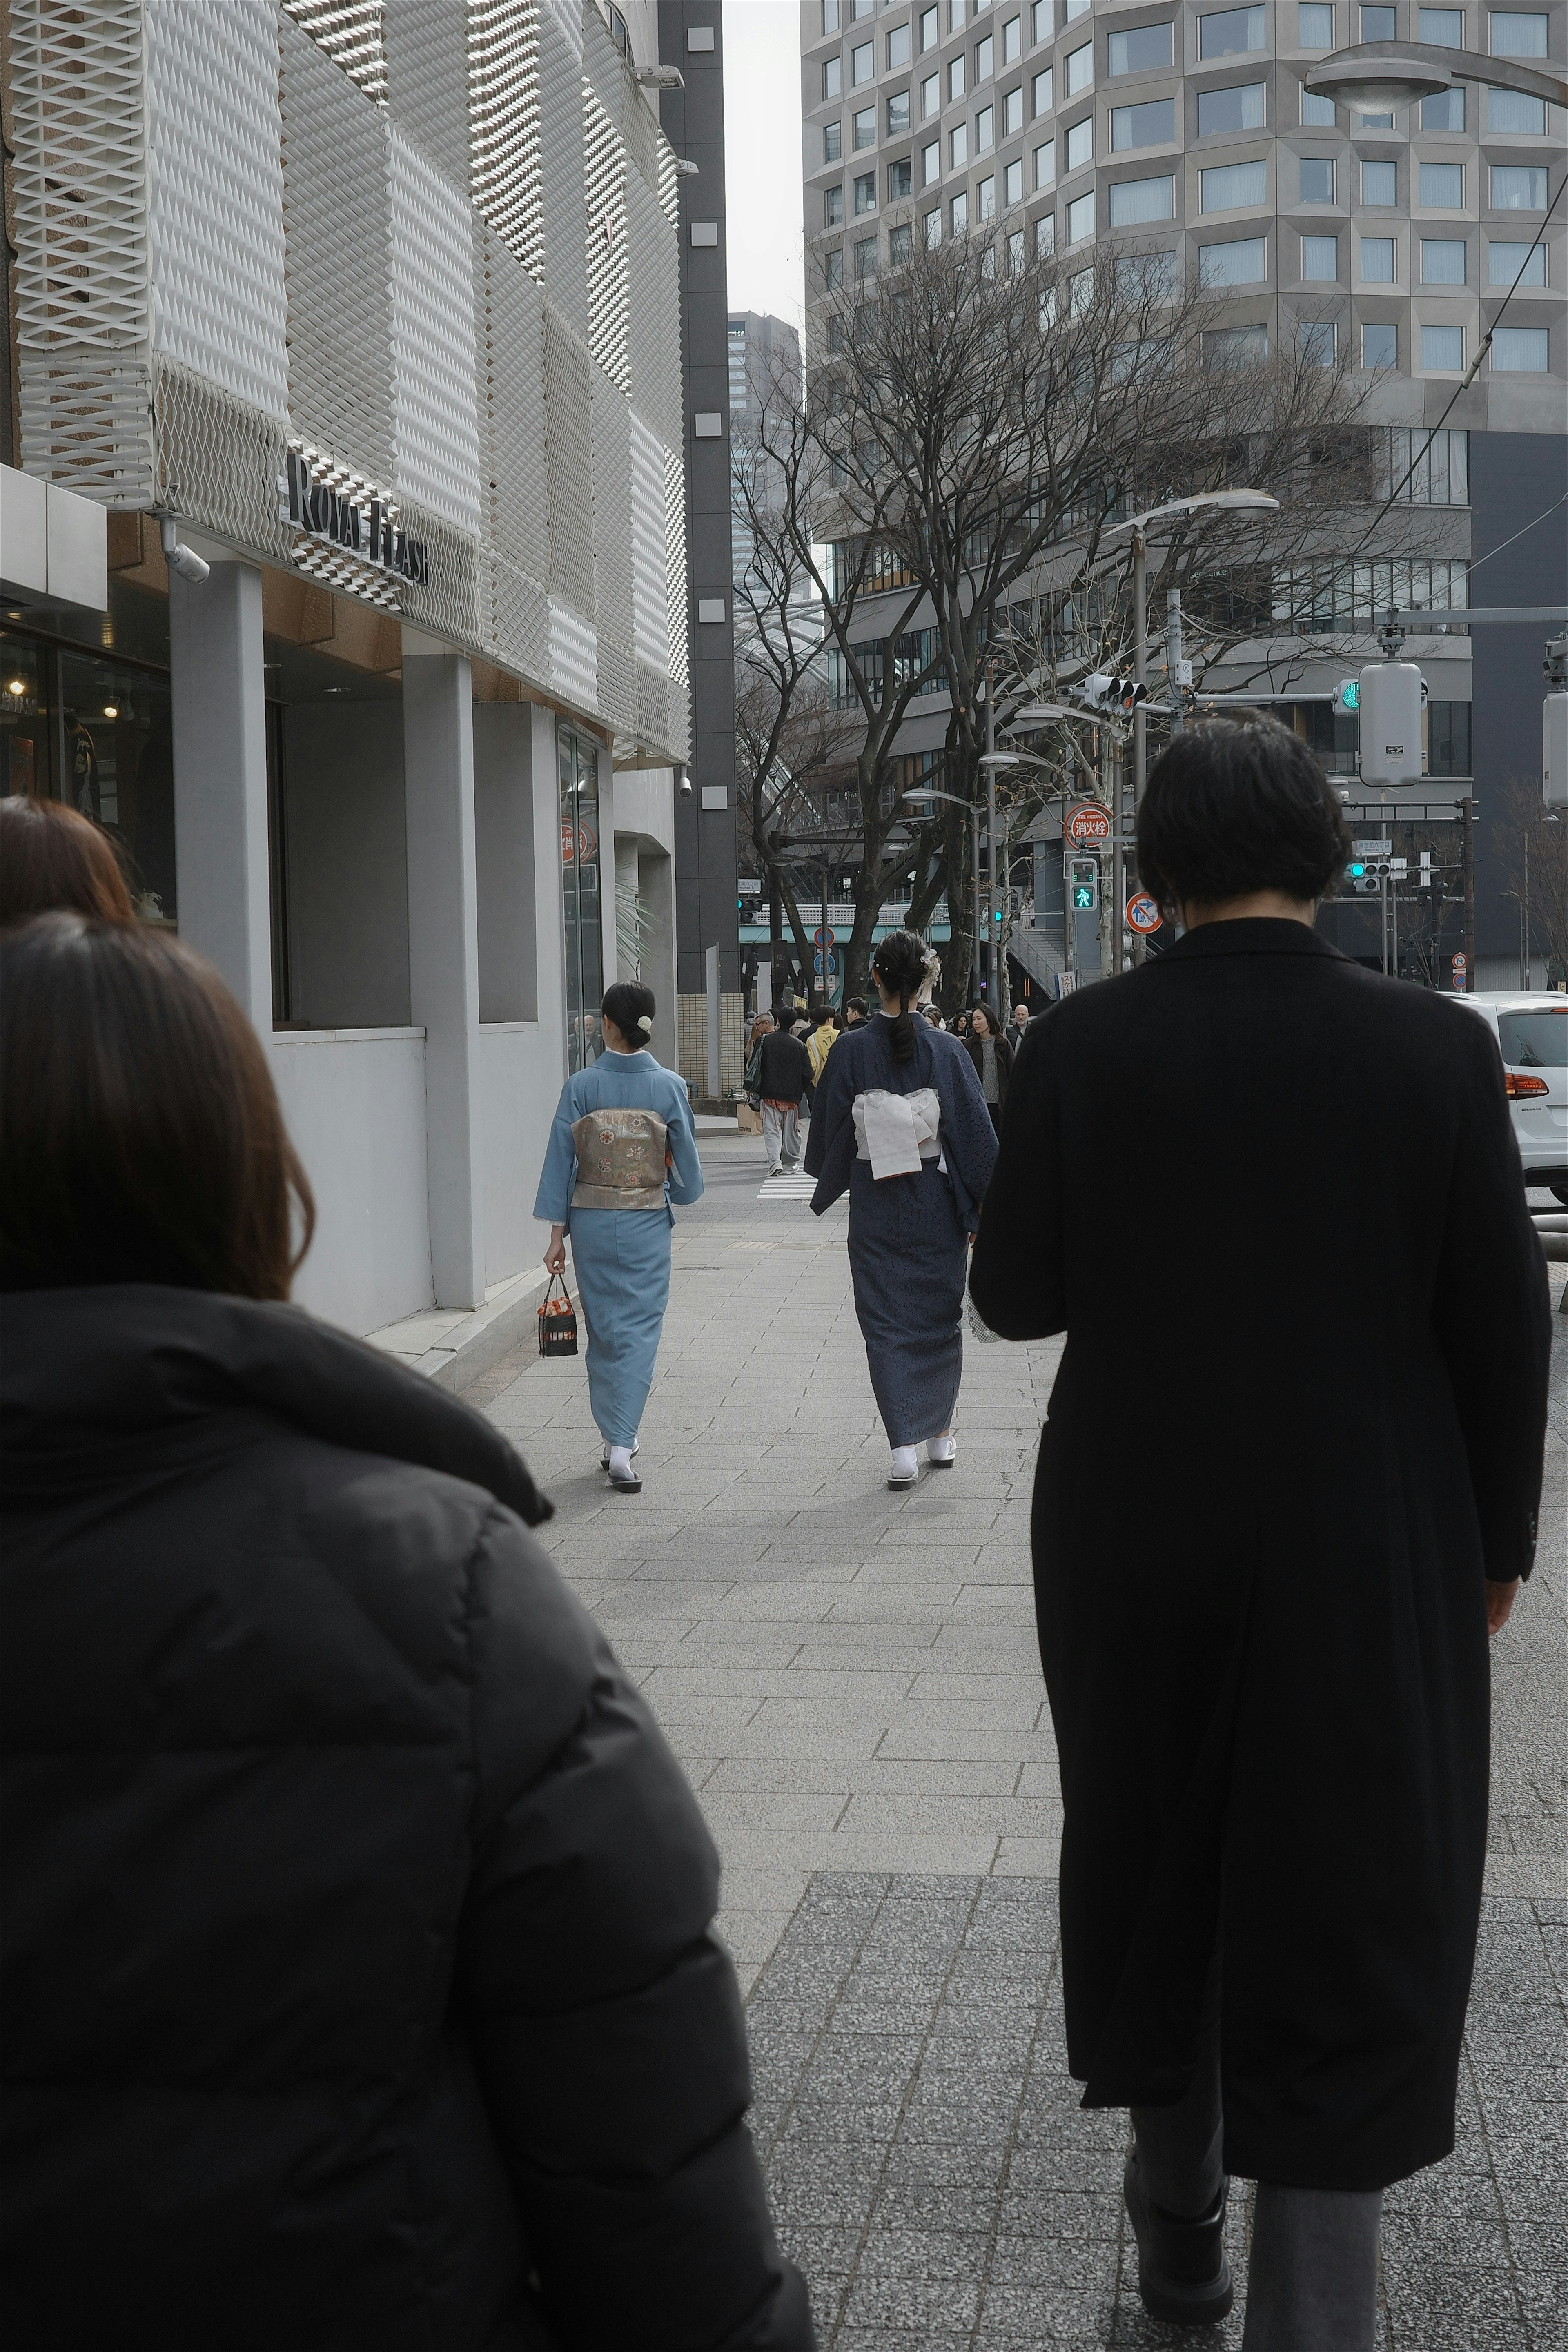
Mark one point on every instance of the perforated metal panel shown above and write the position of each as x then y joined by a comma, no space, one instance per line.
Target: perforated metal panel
613,555
605,242
219,459
512,407
623,101
653,726
217,191
669,184
350,32
503,124
428,80
560,168
447,603
78,186
650,587
653,318
515,618
574,658
674,565
569,483
335,220
435,429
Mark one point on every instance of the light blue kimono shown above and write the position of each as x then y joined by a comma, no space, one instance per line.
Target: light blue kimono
621,1255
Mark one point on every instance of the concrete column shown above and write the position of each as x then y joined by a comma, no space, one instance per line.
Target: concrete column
219,719
444,956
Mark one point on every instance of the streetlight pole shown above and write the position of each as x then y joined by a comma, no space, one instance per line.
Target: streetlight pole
990,826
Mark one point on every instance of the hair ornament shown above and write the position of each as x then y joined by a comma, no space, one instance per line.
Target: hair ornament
644,1024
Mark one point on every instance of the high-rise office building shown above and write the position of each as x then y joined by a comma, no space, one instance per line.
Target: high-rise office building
1062,127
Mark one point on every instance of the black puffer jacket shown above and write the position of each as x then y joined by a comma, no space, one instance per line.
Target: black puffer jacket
359,1989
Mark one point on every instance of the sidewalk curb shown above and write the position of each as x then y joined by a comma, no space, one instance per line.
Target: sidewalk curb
452,1347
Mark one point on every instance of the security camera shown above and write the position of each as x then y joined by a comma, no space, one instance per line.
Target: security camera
686,168
685,783
181,559
661,77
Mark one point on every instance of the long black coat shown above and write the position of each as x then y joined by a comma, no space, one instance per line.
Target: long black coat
1276,1205
358,1985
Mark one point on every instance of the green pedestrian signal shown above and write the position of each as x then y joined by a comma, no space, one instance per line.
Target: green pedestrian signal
1083,885
1347,698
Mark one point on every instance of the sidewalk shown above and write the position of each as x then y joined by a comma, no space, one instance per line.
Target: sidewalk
851,1679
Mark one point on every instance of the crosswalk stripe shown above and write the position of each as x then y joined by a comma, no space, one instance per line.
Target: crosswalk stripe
788,1188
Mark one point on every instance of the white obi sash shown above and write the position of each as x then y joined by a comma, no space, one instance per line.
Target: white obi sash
896,1133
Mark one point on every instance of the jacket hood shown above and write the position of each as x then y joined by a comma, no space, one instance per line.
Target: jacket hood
81,1368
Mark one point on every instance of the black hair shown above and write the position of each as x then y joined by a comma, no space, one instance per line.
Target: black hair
899,963
1235,806
628,1005
824,1013
856,1004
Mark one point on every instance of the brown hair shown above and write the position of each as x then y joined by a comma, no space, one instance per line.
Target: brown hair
141,1139
51,856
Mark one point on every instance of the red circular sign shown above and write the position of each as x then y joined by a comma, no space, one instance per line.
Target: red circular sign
1088,821
1143,913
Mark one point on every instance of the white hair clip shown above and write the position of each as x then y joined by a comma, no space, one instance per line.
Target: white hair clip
644,1024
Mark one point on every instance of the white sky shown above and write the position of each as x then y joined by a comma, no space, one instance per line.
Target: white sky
761,158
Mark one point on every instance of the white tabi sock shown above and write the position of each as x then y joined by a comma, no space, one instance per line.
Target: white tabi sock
904,1465
620,1462
943,1448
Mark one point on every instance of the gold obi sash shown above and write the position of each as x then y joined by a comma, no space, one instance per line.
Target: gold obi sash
621,1159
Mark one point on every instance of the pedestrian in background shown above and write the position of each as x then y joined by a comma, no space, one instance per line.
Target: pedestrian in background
960,1024
52,856
993,1058
822,1038
784,1074
1267,1556
359,1979
901,1127
1020,1023
622,1149
854,1012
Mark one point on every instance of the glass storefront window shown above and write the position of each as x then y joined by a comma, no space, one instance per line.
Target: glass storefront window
578,767
96,733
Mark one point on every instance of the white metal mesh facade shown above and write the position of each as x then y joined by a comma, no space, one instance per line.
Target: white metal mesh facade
339,302
613,555
215,185
79,186
503,124
428,245
428,80
605,239
352,32
435,429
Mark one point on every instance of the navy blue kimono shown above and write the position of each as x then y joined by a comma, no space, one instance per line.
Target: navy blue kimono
908,1235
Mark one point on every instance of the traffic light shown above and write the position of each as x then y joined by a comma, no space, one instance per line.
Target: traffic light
1083,885
1364,874
1347,698
1110,689
1390,714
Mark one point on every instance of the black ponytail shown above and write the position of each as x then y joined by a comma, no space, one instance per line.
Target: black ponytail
900,964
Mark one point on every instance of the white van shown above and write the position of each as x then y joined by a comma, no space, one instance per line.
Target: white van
1532,1033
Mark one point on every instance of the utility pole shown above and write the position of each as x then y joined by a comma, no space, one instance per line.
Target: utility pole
990,826
1118,852
1472,964
1524,979
1140,677
979,910
1173,657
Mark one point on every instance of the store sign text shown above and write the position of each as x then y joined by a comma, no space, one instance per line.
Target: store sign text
362,526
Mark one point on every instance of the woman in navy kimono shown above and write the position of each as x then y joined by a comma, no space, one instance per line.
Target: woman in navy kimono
900,1125
622,1149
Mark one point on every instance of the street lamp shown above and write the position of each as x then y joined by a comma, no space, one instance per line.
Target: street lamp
1141,525
1378,76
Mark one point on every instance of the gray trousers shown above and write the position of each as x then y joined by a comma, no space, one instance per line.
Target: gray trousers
780,1135
1312,2278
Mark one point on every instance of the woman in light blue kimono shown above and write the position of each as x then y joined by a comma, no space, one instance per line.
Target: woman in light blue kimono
622,1149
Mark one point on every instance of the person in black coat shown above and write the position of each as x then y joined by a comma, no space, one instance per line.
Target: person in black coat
1269,1550
359,1981
784,1078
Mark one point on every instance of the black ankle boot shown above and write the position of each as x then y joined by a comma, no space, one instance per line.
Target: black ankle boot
1184,2274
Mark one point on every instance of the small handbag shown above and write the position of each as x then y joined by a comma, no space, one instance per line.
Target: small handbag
558,1322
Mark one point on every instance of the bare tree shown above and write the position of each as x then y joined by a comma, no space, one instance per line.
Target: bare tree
824,701
983,419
